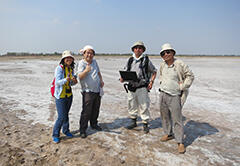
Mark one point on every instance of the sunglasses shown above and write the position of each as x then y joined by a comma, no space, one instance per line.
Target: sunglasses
167,52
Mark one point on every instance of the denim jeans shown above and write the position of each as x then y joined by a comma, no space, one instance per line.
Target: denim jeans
63,106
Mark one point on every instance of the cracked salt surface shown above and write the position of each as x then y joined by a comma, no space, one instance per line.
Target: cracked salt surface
211,115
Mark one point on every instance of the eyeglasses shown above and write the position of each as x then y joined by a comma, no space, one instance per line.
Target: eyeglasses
138,47
167,52
89,53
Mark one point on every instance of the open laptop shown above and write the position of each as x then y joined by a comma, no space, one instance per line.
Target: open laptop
129,75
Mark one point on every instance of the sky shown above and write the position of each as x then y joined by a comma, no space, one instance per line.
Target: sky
112,26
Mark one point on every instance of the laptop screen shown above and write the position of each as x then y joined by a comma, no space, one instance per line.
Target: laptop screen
128,75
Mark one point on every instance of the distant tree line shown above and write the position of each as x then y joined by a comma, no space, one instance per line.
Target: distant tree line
104,54
31,54
54,54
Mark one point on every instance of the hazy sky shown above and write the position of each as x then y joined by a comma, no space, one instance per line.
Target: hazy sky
112,26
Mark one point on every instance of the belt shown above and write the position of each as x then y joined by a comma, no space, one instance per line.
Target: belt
167,93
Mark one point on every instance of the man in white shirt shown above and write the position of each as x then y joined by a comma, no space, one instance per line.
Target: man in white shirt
91,83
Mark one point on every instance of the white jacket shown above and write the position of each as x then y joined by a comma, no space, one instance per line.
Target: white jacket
185,75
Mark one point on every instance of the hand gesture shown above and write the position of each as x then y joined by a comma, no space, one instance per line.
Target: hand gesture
121,80
180,85
74,80
88,68
150,85
68,77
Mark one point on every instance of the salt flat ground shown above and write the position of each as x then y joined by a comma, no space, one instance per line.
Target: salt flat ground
211,117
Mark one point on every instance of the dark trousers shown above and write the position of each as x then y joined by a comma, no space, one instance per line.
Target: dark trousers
90,110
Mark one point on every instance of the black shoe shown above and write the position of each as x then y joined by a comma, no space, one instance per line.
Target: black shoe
96,127
83,135
145,128
133,124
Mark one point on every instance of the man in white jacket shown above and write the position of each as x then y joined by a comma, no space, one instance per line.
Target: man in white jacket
175,79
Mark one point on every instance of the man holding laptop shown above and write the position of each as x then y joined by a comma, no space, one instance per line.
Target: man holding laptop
138,99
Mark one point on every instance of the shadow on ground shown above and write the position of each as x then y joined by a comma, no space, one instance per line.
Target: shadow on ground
194,130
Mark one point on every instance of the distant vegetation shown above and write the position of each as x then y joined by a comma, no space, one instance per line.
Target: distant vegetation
103,54
54,54
31,54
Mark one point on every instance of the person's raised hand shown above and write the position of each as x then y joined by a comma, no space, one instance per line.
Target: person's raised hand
74,80
68,77
88,68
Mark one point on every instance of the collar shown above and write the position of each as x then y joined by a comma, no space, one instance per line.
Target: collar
87,62
134,56
172,65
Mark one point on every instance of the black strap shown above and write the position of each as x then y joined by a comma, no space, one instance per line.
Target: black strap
145,67
125,87
129,65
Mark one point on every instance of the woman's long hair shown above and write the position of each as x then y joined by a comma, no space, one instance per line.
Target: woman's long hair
72,65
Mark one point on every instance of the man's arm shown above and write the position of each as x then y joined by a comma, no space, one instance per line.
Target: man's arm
153,70
152,80
101,80
189,77
84,73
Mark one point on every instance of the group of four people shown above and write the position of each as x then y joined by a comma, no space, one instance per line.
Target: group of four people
175,79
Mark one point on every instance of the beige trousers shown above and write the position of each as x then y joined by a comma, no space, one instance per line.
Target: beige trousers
171,114
139,101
